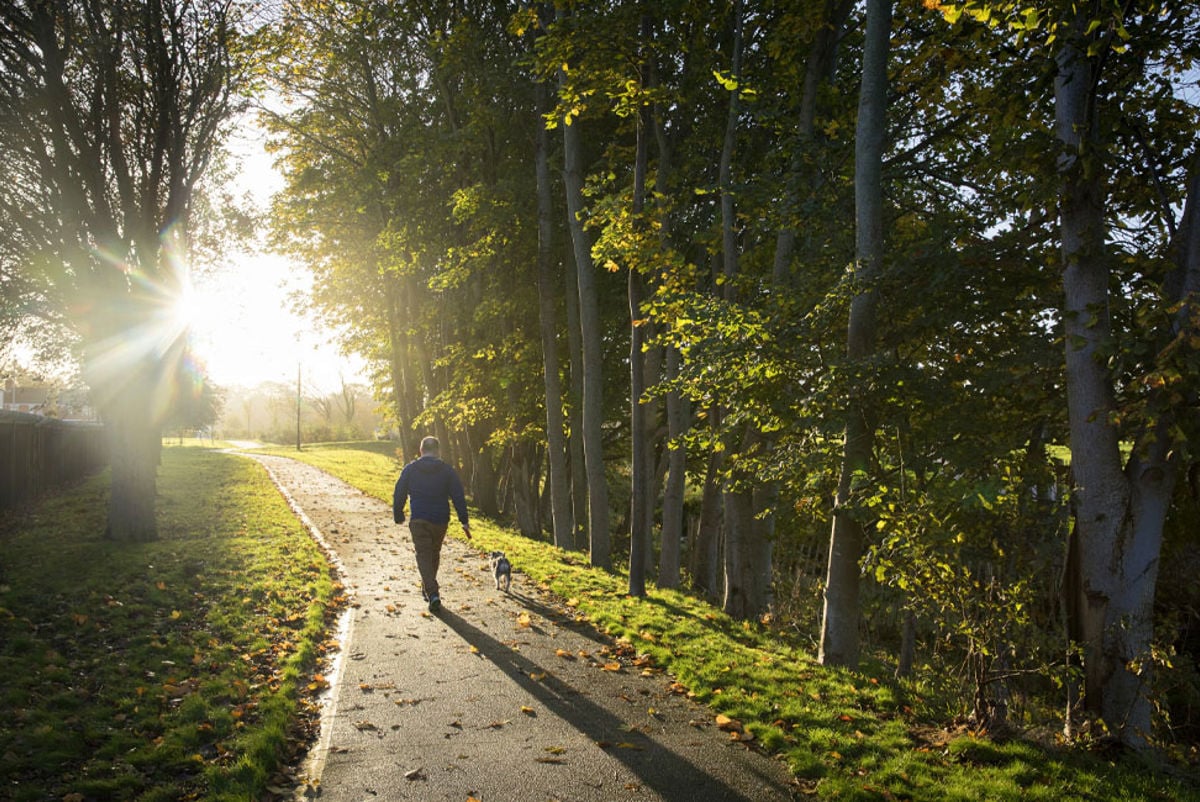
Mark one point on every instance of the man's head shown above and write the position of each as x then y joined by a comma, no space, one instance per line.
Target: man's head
430,446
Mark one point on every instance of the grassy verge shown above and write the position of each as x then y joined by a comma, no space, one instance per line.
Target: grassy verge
170,670
845,735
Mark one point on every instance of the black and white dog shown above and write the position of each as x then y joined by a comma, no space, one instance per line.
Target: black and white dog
501,570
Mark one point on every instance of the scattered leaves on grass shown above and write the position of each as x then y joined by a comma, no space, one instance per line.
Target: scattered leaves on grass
727,724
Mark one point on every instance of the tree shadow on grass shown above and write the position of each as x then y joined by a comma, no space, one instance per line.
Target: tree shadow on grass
656,766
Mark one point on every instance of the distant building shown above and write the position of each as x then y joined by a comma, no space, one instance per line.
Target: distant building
14,398
46,400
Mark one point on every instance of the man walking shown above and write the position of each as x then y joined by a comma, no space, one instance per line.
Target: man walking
431,484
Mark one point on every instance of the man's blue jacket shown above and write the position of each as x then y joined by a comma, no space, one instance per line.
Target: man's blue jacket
432,485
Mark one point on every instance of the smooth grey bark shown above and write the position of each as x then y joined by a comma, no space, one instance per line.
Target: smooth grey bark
556,439
599,537
1119,508
840,618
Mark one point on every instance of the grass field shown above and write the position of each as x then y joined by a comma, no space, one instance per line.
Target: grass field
178,669
846,735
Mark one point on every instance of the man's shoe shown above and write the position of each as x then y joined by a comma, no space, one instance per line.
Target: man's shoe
435,603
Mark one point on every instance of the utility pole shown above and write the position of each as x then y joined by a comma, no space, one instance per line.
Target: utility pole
298,448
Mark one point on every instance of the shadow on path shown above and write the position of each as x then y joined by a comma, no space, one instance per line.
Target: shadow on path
656,766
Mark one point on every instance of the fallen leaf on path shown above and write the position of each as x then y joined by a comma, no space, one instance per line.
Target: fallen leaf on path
529,711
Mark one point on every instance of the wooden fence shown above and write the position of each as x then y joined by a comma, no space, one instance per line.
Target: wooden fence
37,454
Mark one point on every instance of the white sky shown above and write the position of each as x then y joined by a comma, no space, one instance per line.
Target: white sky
242,322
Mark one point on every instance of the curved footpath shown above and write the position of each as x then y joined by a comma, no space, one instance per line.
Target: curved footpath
498,698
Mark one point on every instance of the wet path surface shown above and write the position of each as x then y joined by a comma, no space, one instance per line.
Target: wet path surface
498,698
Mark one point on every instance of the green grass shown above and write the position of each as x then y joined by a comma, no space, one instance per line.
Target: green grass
178,669
846,735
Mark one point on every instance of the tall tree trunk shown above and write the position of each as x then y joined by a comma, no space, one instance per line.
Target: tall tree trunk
706,556
818,70
677,408
398,363
1119,510
579,499
672,503
641,470
556,442
839,625
524,493
599,538
135,442
746,594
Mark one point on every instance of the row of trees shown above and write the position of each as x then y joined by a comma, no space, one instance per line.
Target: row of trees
705,281
693,284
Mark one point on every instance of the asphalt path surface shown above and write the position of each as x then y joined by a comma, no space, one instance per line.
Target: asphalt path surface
497,698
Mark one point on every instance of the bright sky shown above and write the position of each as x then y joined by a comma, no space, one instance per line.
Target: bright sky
242,322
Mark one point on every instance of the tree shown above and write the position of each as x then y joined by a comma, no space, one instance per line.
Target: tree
112,110
599,537
1124,360
563,521
839,627
197,403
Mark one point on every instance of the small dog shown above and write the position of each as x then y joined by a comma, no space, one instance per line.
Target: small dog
501,570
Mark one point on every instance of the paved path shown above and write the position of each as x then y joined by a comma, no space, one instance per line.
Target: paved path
498,698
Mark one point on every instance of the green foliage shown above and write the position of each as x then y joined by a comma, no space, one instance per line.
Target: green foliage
218,627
